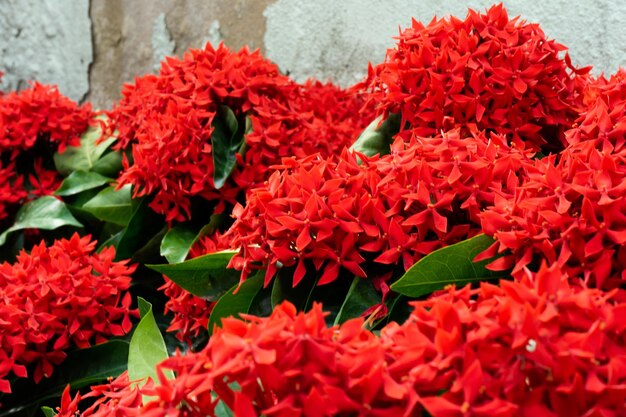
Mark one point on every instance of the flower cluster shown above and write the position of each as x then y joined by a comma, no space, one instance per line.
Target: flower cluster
191,313
34,123
168,121
486,72
58,297
335,213
570,209
319,118
535,347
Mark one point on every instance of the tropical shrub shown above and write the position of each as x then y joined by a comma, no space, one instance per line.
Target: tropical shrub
445,238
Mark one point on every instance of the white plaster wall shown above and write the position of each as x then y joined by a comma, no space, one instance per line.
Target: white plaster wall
48,41
336,39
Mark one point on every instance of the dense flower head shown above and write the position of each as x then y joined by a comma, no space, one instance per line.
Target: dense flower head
537,346
336,213
486,72
40,113
570,208
168,121
603,119
56,297
34,123
190,313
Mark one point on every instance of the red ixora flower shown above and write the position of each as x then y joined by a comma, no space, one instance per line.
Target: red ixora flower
536,346
329,214
37,117
570,208
168,121
486,72
57,297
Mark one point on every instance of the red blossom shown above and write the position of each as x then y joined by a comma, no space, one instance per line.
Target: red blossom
58,297
333,214
486,72
569,208
537,346
40,113
167,119
32,120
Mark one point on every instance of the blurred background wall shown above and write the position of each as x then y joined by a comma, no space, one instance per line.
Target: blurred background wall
91,47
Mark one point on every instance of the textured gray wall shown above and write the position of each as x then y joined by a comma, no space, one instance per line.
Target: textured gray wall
48,41
91,47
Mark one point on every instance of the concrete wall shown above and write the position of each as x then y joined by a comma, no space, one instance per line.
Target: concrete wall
91,47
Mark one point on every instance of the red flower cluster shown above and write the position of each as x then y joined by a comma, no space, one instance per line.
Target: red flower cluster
570,208
319,118
336,213
191,313
534,347
40,113
168,121
57,297
36,117
486,72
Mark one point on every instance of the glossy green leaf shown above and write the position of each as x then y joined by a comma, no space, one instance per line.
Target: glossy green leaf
81,368
233,304
84,156
113,240
48,412
226,141
109,165
45,213
147,348
361,296
176,244
300,296
377,137
112,205
205,276
79,181
143,225
452,264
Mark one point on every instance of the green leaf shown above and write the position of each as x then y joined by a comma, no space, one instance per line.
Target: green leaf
222,410
231,304
300,296
449,265
205,276
48,412
361,296
176,244
226,140
81,368
112,205
377,139
142,226
147,348
45,213
79,181
84,156
113,240
109,165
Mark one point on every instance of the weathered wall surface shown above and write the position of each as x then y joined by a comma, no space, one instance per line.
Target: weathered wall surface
48,41
91,47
